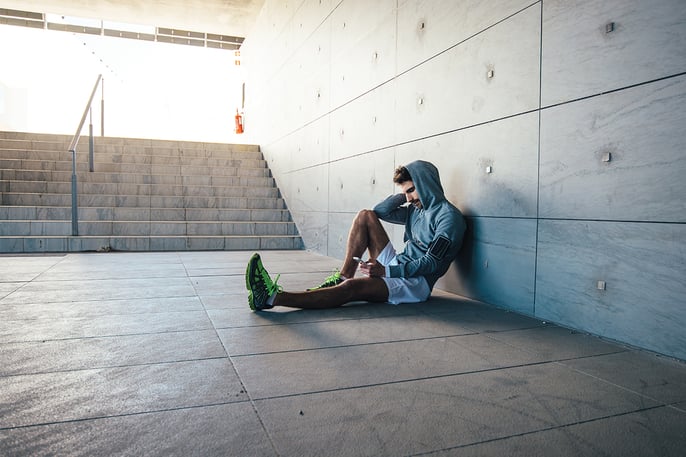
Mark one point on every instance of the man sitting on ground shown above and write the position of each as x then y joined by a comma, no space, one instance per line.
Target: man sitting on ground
434,229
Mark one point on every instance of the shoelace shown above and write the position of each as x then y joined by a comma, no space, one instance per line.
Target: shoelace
332,280
272,286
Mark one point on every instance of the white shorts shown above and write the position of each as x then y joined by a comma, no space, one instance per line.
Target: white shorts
402,290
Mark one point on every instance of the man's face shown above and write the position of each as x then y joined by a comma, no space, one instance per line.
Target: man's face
411,193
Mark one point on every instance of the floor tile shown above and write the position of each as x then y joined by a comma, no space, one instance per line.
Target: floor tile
24,269
84,327
67,291
78,354
52,310
324,334
477,316
243,317
434,414
210,431
557,343
7,288
345,367
651,433
83,394
656,377
224,300
680,406
113,273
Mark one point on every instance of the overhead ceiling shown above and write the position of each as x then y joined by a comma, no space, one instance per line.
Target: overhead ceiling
223,17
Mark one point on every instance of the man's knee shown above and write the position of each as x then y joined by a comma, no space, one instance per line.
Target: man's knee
364,288
367,216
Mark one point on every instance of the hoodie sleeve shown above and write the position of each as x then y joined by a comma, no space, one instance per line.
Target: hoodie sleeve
437,255
390,209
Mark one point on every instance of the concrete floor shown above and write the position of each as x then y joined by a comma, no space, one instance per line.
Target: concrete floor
158,354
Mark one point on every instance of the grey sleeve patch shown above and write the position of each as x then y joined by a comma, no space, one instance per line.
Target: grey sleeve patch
439,247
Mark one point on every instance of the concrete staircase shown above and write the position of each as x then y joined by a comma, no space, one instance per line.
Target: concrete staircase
144,195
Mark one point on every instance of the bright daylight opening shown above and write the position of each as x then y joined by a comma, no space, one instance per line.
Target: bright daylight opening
151,89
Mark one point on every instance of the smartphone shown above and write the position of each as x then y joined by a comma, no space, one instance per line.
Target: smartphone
358,260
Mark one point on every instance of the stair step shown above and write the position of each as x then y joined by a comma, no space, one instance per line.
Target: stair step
216,167
20,140
86,188
57,213
138,175
59,151
136,178
149,201
31,244
149,228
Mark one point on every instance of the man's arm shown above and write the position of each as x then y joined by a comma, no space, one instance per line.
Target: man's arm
441,251
390,209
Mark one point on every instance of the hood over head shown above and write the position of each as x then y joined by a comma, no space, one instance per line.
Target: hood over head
427,182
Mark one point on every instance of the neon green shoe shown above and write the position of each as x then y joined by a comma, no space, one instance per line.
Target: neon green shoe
333,280
259,284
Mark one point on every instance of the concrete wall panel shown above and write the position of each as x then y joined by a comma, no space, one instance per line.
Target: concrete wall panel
312,144
427,28
365,124
339,226
488,170
362,48
311,80
269,109
313,228
497,263
295,95
279,156
396,234
309,17
584,55
642,130
361,181
309,189
454,90
642,266
268,49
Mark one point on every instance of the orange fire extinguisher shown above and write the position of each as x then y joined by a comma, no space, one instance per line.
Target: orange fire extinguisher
239,122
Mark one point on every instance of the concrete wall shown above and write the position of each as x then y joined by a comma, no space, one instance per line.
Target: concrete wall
577,107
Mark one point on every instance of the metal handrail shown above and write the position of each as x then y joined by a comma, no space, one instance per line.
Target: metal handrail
72,149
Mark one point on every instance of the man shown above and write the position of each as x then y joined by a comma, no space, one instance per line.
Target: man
433,234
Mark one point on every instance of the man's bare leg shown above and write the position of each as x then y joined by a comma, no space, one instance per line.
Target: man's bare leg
366,233
357,289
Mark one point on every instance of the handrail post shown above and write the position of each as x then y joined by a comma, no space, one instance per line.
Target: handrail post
91,146
74,197
102,107
72,149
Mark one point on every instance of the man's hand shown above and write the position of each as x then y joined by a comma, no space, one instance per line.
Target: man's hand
373,269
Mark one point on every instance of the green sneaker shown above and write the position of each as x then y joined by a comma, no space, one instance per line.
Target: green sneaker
333,280
259,284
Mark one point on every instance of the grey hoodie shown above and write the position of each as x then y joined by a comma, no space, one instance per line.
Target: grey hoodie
433,234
